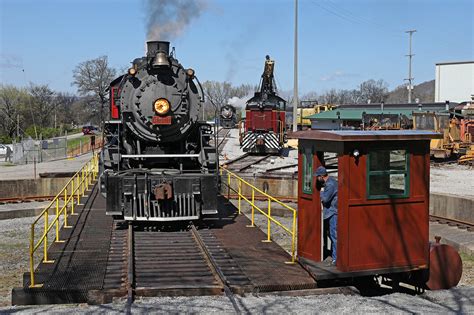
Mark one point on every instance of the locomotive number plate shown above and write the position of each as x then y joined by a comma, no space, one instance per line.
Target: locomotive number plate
158,120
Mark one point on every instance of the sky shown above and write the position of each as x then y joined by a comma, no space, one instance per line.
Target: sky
341,43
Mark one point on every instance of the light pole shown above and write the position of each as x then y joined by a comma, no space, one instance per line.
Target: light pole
295,80
410,79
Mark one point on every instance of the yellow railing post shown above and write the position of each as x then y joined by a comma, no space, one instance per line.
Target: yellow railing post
78,189
45,242
72,198
293,239
253,209
269,213
82,182
65,209
228,186
32,256
240,194
57,219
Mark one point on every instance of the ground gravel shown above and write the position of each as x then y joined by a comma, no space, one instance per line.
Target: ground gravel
452,179
455,301
14,253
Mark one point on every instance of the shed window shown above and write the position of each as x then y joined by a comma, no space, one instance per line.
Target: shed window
388,174
307,173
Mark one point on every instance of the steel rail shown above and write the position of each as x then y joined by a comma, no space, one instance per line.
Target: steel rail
243,156
25,199
243,168
224,137
215,268
130,268
459,223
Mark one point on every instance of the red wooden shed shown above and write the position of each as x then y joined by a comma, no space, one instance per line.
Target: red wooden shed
383,199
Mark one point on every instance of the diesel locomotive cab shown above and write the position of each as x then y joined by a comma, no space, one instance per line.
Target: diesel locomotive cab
158,163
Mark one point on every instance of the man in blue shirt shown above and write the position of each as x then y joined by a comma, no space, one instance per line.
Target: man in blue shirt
328,194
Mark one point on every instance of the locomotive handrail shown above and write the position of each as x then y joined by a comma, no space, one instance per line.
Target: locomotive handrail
159,155
72,191
240,181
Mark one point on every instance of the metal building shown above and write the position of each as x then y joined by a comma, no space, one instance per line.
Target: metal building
454,81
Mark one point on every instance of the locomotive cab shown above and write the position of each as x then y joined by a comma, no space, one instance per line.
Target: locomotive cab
383,208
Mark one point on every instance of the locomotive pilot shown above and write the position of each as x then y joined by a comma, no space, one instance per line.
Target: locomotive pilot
328,195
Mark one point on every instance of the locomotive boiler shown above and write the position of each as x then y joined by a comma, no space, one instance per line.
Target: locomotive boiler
159,163
265,128
228,117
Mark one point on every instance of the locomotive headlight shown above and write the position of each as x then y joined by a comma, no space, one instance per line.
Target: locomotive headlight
162,106
132,71
190,73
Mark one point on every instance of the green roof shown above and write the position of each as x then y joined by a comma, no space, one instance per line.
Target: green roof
356,114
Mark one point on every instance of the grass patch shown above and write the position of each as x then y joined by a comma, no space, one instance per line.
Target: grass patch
8,164
76,142
467,259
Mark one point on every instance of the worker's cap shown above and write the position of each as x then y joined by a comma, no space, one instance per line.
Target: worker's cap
320,171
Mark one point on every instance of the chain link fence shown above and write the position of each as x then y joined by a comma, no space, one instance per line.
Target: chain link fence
37,151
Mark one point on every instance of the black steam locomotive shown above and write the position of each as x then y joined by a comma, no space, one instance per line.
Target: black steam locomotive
160,161
228,117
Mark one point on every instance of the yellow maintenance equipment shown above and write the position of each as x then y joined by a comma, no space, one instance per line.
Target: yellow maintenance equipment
451,143
70,195
308,110
238,185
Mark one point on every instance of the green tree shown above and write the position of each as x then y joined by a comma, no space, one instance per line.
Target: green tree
12,100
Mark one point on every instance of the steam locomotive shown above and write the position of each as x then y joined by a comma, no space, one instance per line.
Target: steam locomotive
160,161
228,117
265,126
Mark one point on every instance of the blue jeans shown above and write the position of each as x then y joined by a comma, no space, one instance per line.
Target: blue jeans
333,236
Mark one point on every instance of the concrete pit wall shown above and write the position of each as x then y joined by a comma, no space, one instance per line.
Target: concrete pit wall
31,187
279,188
452,207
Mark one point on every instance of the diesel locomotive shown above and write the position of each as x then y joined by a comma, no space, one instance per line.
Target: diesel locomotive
228,117
160,161
265,122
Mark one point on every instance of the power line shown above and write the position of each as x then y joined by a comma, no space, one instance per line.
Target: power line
351,17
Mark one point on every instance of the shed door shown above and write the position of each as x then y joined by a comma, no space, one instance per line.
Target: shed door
309,215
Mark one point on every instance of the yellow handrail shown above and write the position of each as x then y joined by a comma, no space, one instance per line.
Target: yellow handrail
270,219
72,191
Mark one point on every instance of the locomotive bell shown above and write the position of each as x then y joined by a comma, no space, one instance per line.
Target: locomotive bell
161,60
159,51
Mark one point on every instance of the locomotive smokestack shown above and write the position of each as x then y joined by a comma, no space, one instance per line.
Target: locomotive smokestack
159,50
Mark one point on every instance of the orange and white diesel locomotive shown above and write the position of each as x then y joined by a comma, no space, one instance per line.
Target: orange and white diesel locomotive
264,130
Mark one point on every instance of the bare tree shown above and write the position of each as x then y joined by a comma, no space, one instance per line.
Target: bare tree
217,92
65,113
43,105
375,91
92,78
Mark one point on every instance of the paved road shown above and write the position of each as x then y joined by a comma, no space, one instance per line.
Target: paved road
8,172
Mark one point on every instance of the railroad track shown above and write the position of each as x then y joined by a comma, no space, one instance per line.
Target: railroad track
25,199
245,161
185,262
222,135
457,223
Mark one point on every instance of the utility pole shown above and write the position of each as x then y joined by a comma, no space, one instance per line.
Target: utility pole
295,86
410,78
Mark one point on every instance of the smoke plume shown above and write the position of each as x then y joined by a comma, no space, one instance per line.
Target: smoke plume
169,18
239,102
